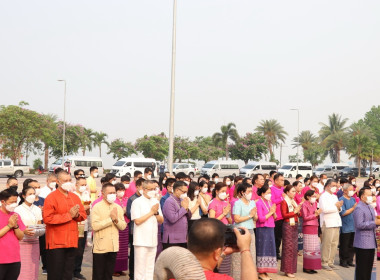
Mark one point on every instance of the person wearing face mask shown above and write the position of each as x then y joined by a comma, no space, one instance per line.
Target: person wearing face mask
62,212
148,173
176,213
204,189
11,231
322,182
79,173
215,178
266,256
31,217
210,188
12,183
330,224
378,228
245,215
227,182
107,219
299,199
91,182
311,243
347,232
364,241
51,182
146,215
195,203
139,191
342,182
313,186
258,182
132,185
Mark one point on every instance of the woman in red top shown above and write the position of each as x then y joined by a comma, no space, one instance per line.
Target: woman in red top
290,212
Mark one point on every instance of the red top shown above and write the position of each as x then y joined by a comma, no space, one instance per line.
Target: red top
61,229
286,214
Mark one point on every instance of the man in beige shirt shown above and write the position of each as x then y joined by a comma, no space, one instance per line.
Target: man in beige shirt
107,218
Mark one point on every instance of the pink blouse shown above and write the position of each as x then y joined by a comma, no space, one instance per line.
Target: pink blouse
263,208
218,206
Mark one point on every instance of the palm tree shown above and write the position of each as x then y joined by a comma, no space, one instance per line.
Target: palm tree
305,139
87,140
98,139
227,132
274,132
360,142
334,136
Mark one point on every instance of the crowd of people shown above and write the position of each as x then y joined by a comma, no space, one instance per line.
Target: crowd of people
130,221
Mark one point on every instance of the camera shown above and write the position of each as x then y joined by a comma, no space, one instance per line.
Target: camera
230,236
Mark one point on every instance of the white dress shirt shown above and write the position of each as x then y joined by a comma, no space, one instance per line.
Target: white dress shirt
330,213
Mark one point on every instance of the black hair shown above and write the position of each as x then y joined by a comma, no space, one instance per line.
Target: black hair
106,185
180,176
232,178
10,179
288,188
295,183
205,236
103,180
278,175
169,181
366,184
147,170
308,193
93,168
137,173
256,176
323,174
272,172
246,179
206,177
23,192
125,178
58,169
329,181
343,180
362,191
218,187
119,187
286,182
7,193
139,182
298,176
242,188
199,178
214,175
306,179
179,184
190,192
76,172
209,185
110,176
26,182
263,189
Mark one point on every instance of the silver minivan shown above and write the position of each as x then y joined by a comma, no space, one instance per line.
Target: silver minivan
223,168
331,171
253,168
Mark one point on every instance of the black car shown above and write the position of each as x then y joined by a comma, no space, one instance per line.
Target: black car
352,171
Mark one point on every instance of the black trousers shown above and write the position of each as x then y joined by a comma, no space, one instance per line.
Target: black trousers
346,248
61,263
10,271
131,266
364,262
79,256
43,252
278,235
103,266
168,245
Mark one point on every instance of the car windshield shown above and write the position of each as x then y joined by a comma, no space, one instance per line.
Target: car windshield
287,167
248,166
58,162
175,165
119,163
208,165
368,169
347,169
320,169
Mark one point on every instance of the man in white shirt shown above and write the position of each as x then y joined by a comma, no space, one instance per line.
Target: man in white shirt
322,182
330,224
146,215
51,182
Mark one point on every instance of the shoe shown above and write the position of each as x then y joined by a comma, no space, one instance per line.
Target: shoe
334,267
314,271
44,272
122,273
342,265
326,267
116,274
308,271
351,264
79,277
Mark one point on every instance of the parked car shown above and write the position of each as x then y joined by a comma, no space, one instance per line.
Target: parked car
331,171
289,170
73,163
375,171
223,168
253,168
352,171
128,166
187,168
7,168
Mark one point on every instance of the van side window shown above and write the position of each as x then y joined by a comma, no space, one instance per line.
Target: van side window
304,167
258,167
7,163
224,166
216,166
128,164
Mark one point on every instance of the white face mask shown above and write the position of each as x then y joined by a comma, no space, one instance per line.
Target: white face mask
204,190
52,185
187,182
82,189
67,186
183,196
216,180
373,205
324,181
248,196
313,200
353,183
149,177
11,207
228,183
38,191
351,193
314,184
111,197
163,182
30,198
126,186
377,185
373,190
303,185
268,196
222,195
196,193
333,189
96,175
369,199
151,194
114,182
120,194
141,192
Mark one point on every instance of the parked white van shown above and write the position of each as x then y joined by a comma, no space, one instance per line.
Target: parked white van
375,171
78,162
254,167
223,168
128,166
289,170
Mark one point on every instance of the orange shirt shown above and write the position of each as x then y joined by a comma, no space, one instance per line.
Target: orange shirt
61,229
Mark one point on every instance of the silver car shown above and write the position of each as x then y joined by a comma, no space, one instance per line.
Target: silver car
187,168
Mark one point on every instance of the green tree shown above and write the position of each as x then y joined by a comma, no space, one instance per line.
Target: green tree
315,154
207,150
86,140
273,132
154,146
120,149
305,140
73,142
360,142
221,138
334,136
184,148
250,147
49,129
18,126
100,138
36,163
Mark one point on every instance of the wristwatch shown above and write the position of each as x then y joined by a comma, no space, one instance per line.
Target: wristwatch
156,214
16,227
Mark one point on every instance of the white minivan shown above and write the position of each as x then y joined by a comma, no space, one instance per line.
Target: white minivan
375,171
78,162
289,170
223,168
254,167
128,166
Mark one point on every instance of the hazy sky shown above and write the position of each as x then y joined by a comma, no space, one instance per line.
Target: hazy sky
237,61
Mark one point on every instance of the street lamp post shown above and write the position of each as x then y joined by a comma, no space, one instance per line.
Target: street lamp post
64,124
298,133
172,95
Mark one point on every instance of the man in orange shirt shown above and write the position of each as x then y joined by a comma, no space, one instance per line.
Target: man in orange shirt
62,212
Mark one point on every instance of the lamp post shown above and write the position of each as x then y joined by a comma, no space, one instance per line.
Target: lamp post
172,95
64,123
298,133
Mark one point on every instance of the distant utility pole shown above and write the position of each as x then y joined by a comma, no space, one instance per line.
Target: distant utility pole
298,133
64,124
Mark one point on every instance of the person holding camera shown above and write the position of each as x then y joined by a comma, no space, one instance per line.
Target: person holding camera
245,215
266,257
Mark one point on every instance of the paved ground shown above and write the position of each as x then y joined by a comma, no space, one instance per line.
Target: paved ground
342,273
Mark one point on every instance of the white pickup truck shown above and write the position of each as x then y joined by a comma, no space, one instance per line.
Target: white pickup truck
7,168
